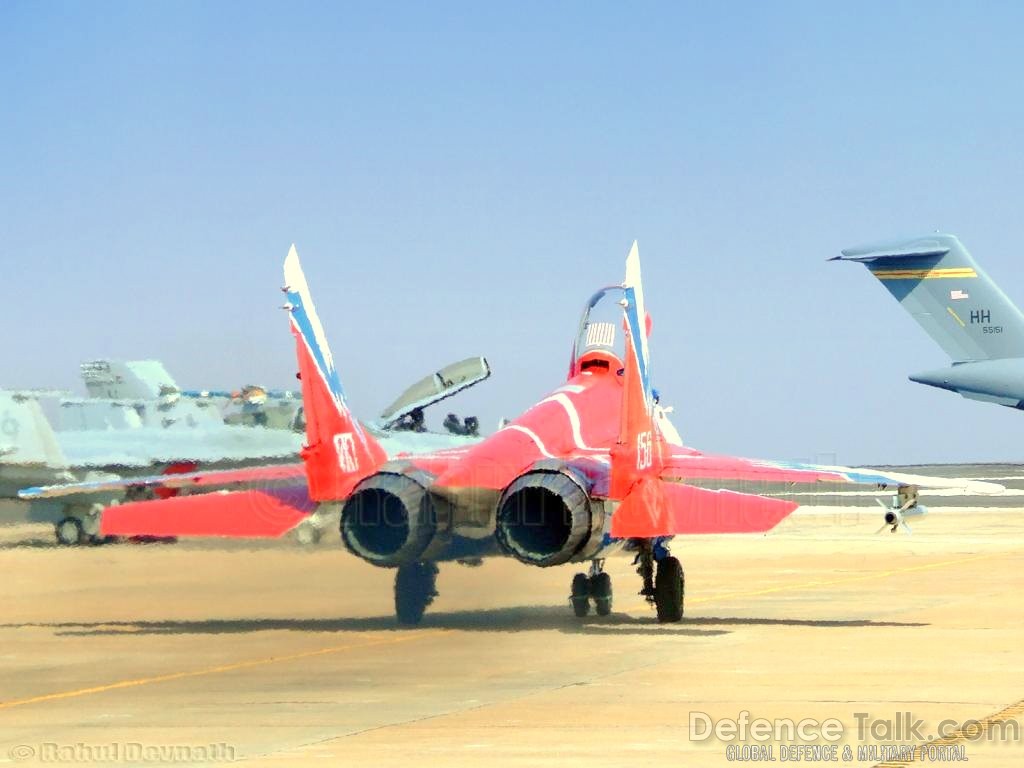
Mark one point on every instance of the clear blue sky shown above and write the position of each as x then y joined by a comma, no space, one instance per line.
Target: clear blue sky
459,176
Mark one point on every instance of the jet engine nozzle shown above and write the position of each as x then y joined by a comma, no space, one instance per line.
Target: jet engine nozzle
544,518
389,520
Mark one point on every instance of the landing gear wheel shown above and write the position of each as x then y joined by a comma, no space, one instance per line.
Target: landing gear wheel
668,590
414,591
601,591
580,597
70,532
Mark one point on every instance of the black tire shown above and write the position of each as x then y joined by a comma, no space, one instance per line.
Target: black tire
601,591
69,532
580,595
414,591
669,588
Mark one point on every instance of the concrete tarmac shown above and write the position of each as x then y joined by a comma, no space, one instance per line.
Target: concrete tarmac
277,655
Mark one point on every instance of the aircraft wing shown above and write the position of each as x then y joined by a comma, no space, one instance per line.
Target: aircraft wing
276,473
687,464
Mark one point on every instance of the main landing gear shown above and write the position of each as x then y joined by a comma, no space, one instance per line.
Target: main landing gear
415,589
664,581
663,584
596,586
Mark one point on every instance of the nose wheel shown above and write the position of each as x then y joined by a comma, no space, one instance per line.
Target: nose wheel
601,591
415,589
594,587
580,595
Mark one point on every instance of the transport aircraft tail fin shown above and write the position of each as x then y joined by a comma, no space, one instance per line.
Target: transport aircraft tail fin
935,279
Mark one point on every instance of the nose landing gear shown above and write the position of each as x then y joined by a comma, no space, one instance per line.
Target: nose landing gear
595,586
415,589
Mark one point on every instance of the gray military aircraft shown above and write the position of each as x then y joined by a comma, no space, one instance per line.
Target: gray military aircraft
144,437
149,381
126,379
935,279
70,466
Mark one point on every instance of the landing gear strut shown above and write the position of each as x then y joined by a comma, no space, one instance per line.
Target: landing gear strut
664,587
596,586
415,589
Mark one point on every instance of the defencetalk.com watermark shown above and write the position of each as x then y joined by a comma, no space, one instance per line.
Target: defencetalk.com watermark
900,736
127,752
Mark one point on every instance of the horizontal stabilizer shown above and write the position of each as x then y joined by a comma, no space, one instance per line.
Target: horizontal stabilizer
690,510
920,250
254,513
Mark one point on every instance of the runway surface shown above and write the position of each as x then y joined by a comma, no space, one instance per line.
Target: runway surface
277,655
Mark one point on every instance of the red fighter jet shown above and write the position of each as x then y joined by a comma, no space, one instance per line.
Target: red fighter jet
593,469
586,472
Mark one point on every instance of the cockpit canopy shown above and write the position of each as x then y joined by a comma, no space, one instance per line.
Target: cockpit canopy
600,340
407,411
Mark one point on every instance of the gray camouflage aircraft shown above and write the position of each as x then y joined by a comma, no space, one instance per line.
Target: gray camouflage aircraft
70,465
935,279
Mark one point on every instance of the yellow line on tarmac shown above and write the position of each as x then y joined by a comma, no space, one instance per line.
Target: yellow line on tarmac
401,638
972,730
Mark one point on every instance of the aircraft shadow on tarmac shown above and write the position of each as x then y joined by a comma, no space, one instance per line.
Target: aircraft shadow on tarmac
520,618
742,620
30,544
